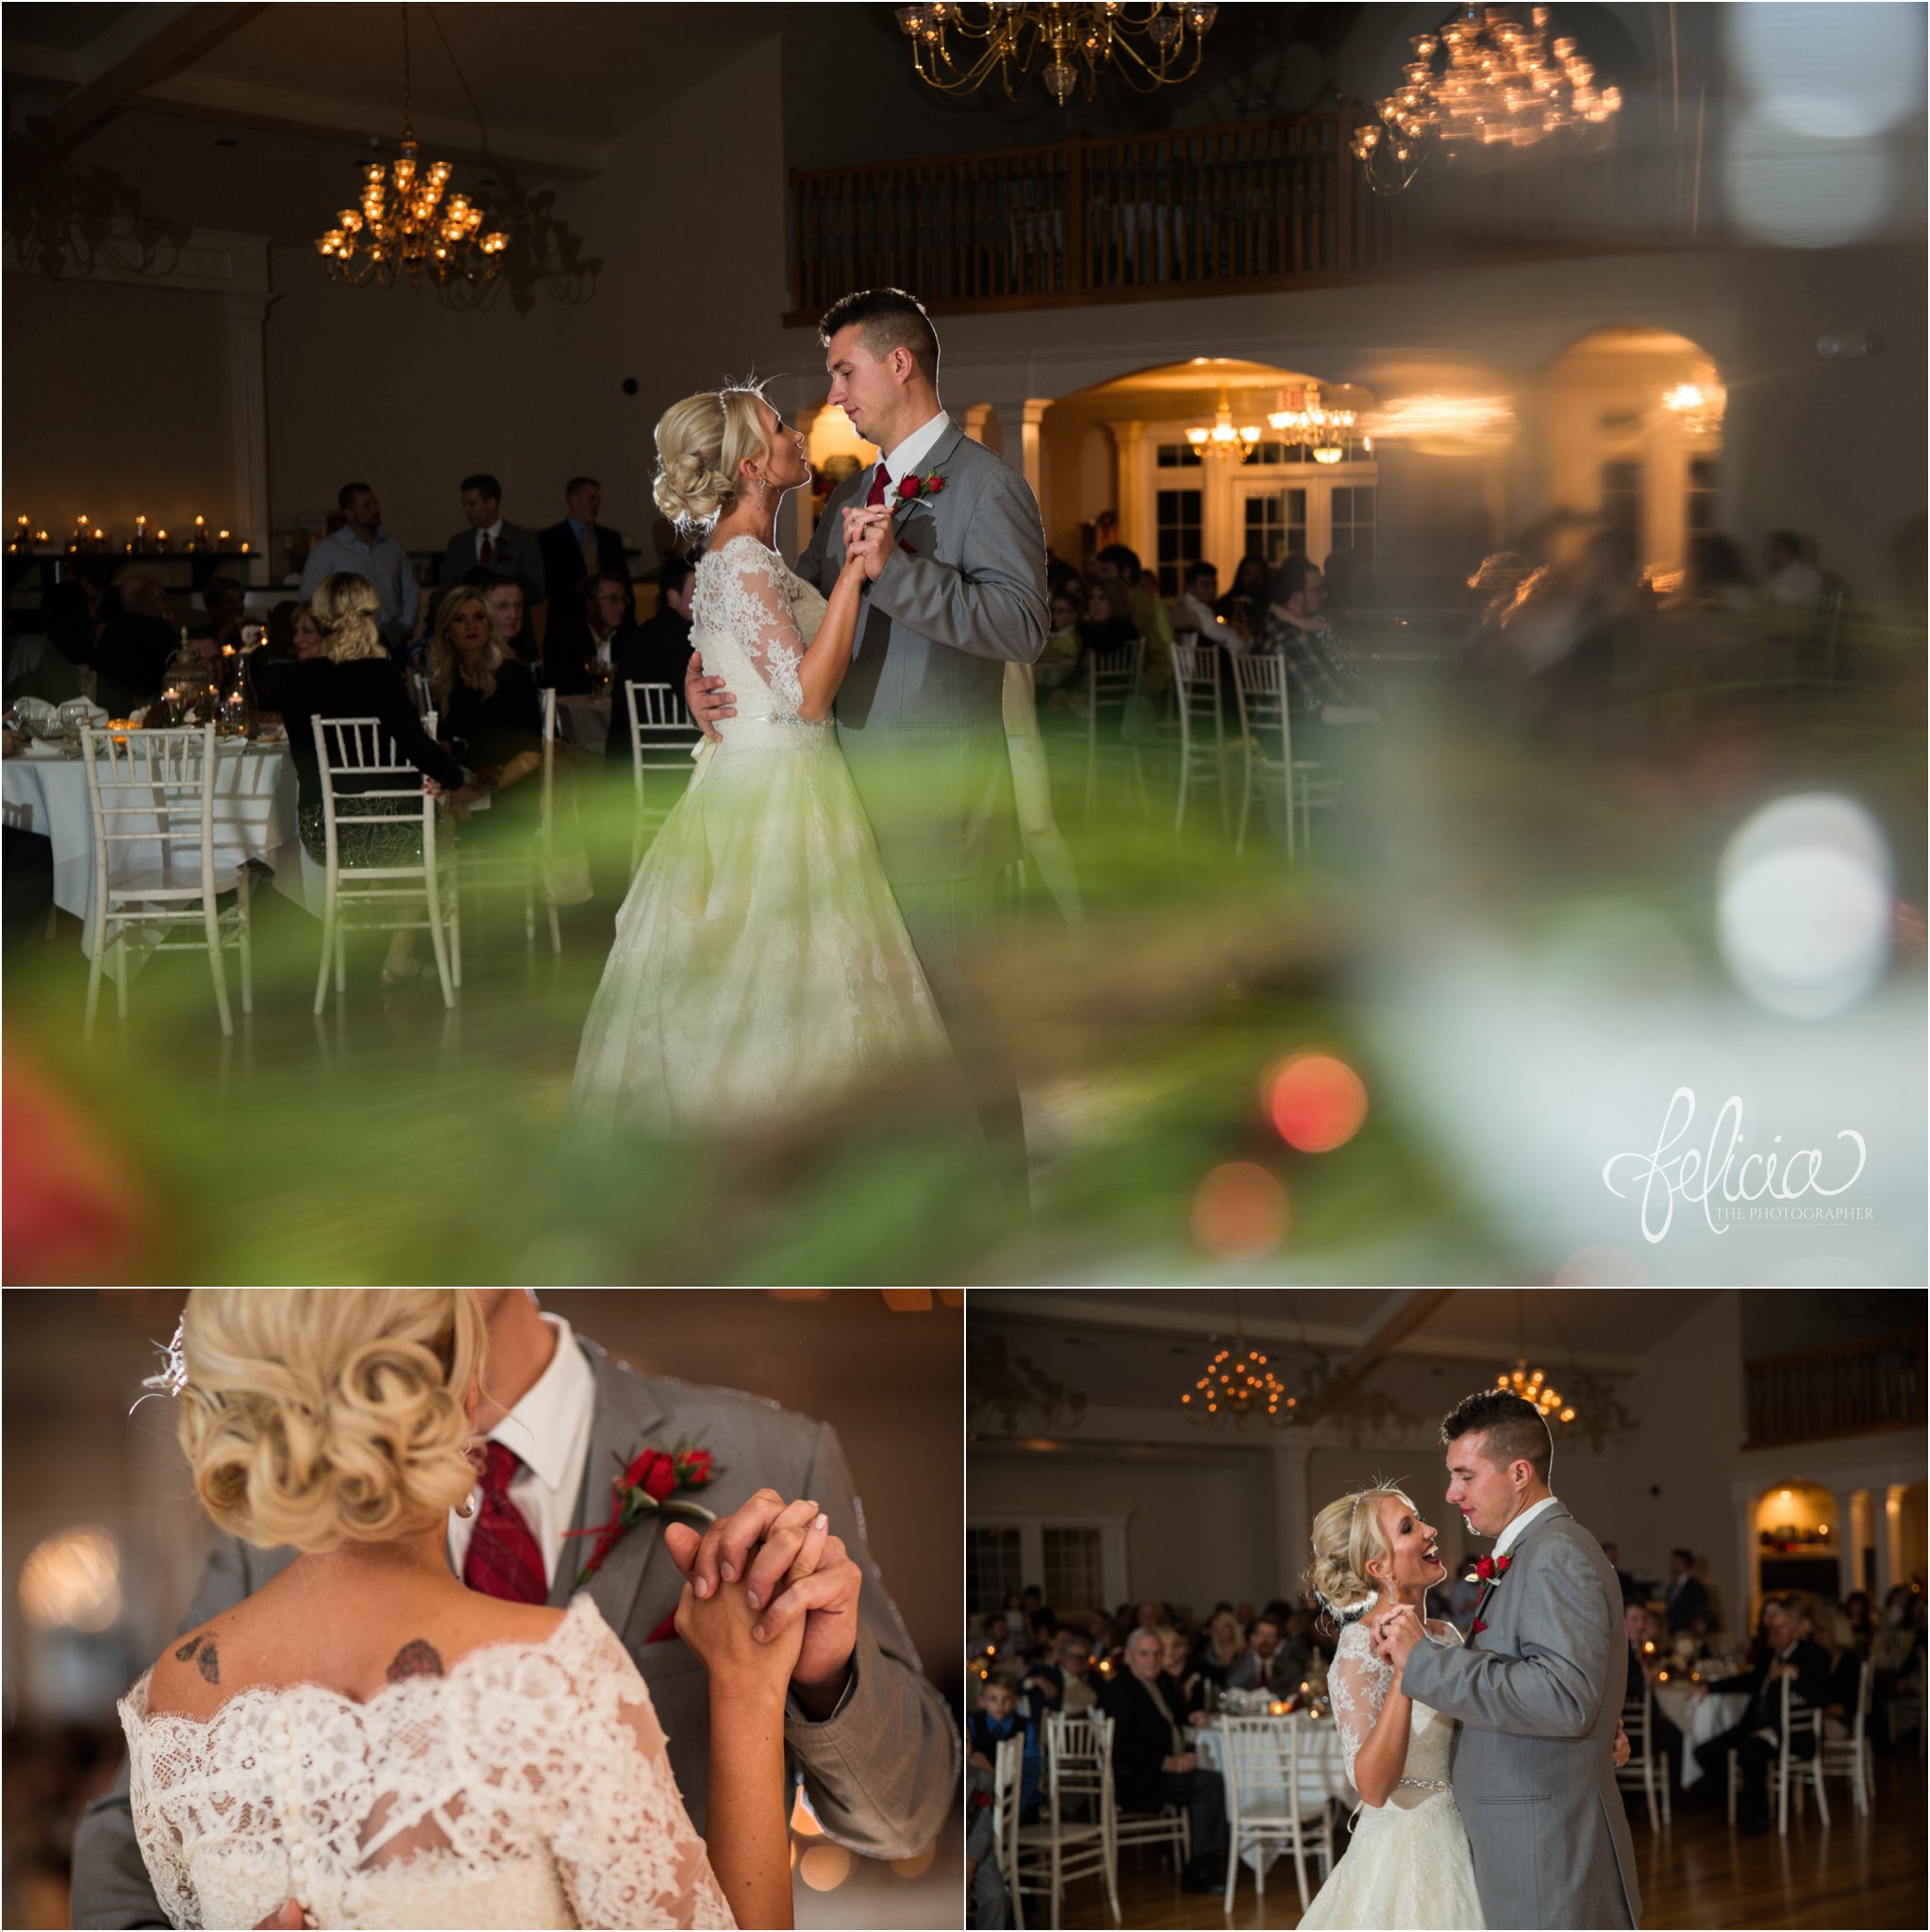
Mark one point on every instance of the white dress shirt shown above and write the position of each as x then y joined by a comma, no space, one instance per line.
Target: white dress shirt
1188,613
550,1430
906,455
1512,1533
384,562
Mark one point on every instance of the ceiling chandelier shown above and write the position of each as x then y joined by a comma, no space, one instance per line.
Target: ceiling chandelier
1223,438
1239,1384
957,49
1486,78
405,227
1323,431
62,217
1698,406
1532,1385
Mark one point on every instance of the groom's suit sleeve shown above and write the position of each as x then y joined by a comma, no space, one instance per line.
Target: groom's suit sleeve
110,1883
994,604
1555,1688
882,1769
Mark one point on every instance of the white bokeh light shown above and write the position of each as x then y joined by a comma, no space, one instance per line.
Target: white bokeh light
1803,905
1799,193
1839,72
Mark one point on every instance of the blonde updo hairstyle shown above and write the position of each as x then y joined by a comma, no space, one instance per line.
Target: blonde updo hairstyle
316,1417
702,443
344,608
1347,1537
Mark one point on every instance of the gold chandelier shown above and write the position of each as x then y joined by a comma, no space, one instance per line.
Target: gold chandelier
957,49
1223,438
1238,1384
1698,406
403,225
1483,78
1532,1385
1322,430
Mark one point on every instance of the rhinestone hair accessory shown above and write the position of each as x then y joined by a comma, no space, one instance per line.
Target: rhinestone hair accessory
172,1377
1349,1616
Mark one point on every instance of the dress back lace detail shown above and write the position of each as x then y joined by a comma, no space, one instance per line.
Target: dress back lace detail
753,617
530,1786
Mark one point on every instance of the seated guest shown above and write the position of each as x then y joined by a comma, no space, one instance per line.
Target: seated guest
1829,1626
489,543
508,599
489,714
1062,580
279,645
654,651
1756,1739
997,1717
1152,1762
1687,1597
357,679
1323,677
1072,1662
1244,606
361,547
1220,1655
579,546
1643,1664
1177,1661
1266,1666
1195,610
226,604
135,649
1862,1617
1058,662
1106,624
584,634
1792,579
1118,568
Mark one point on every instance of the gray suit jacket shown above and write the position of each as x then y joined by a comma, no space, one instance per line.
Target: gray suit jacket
1538,1695
921,715
881,1772
517,553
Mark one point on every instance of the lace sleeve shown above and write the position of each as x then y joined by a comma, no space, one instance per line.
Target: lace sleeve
160,1839
1357,1686
623,1841
756,608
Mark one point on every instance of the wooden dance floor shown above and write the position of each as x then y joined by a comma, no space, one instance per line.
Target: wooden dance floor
1859,1872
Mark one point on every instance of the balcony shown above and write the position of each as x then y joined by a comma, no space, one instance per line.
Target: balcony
1253,205
1844,1389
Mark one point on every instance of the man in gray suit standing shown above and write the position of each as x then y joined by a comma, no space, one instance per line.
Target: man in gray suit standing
956,593
1537,1690
870,1739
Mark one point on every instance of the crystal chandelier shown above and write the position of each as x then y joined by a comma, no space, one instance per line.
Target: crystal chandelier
1323,431
1483,78
1237,1383
957,49
1223,438
1532,1385
1698,406
405,227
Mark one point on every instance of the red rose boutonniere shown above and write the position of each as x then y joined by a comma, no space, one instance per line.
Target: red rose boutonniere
650,1485
1488,1570
909,488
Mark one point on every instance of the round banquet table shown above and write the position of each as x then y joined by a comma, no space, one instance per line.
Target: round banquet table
1321,1769
254,819
1700,1721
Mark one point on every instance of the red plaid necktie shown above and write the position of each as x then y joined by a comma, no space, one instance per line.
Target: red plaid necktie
881,482
488,551
503,1560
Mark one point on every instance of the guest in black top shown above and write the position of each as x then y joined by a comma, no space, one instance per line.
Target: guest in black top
584,632
488,709
358,679
656,652
135,649
1153,1759
1756,1740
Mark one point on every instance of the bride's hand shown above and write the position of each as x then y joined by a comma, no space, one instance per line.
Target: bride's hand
718,1628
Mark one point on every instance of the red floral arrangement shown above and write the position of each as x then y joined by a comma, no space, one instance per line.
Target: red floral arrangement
1486,1573
650,1485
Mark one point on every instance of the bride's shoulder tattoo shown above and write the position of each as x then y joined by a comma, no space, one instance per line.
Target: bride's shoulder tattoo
417,1659
199,1651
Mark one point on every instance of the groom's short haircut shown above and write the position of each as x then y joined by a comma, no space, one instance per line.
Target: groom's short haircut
1511,1429
889,318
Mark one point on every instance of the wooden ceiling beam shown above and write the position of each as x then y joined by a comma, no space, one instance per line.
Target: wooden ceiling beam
151,44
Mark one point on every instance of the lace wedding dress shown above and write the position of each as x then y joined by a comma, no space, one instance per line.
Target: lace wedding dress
530,1786
760,959
1407,1864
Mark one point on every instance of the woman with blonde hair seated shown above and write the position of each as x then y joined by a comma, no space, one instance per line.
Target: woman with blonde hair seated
366,1741
1225,1646
488,712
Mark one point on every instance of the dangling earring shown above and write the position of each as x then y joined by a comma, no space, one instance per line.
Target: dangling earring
764,492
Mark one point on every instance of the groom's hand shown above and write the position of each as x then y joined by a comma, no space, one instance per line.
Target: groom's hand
1396,1632
707,699
791,1567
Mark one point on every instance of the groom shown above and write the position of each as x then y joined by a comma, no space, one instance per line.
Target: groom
956,592
870,1739
1537,1690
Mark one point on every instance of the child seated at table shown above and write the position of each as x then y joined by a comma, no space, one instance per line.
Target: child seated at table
997,1717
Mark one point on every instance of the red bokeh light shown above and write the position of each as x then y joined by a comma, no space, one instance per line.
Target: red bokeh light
1316,1102
1238,1210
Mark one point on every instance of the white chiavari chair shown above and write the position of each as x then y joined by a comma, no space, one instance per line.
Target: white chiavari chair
1647,1770
362,774
1787,1770
152,798
1202,724
661,737
1114,679
1266,1803
1007,1776
1058,1850
1852,1756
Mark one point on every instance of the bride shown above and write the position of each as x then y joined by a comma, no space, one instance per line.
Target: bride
367,1739
1409,1864
760,959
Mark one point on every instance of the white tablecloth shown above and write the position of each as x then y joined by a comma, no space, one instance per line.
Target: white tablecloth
1706,1719
1321,1766
254,818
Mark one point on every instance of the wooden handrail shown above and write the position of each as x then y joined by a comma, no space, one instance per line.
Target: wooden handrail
1857,1344
1860,1386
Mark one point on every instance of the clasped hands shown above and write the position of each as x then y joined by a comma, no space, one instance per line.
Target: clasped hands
790,1568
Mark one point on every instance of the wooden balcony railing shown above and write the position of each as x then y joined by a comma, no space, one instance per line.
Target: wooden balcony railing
1255,204
1844,1389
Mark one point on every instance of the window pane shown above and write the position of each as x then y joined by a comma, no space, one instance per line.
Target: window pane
1621,497
1275,525
993,1567
1178,541
1074,1577
1352,521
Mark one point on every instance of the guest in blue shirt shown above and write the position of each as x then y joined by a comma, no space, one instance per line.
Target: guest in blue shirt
996,1719
361,548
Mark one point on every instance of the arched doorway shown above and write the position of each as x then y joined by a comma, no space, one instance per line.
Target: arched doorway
1797,1539
1631,434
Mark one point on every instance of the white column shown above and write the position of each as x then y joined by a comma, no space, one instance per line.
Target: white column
1736,1618
1889,1541
1019,418
1844,1523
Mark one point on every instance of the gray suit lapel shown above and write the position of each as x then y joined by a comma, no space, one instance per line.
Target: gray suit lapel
626,1418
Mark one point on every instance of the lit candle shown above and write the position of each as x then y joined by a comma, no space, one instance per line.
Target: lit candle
245,550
